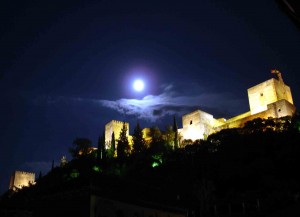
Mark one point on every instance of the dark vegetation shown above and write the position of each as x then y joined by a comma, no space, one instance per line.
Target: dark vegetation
250,171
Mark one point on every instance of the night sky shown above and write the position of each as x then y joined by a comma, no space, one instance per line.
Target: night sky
66,69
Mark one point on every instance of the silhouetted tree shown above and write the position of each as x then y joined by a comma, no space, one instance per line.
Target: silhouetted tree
168,137
123,148
139,143
204,190
296,122
186,142
81,147
101,147
40,176
111,151
255,125
157,142
175,130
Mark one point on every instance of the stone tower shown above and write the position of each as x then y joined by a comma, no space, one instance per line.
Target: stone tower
268,92
20,179
197,125
116,127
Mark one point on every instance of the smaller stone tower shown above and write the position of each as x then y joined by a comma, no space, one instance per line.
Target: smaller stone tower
20,179
197,125
116,127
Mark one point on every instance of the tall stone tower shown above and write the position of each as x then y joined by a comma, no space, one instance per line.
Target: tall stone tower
268,92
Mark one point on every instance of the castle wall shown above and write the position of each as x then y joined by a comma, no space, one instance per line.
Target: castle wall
277,109
20,179
281,108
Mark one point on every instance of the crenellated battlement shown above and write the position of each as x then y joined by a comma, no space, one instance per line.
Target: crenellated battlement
119,122
24,173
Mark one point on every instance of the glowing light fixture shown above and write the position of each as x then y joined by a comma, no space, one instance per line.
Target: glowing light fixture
138,85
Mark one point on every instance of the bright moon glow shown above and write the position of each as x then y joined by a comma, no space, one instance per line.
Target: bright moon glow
138,85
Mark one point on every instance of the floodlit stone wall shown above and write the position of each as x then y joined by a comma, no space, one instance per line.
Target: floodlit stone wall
116,127
197,125
20,179
266,93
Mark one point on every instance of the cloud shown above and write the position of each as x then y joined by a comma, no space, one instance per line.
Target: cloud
170,102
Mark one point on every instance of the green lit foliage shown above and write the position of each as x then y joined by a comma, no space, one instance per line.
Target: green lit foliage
157,160
97,169
139,143
74,174
123,148
81,147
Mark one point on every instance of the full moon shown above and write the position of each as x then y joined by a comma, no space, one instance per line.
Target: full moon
138,85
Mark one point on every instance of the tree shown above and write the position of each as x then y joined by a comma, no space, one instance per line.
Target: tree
157,141
111,151
81,147
169,137
175,130
139,143
123,147
40,176
101,147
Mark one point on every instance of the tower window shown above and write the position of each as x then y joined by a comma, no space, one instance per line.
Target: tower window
261,94
191,122
279,110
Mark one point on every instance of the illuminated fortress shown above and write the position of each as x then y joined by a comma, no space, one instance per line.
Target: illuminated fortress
271,98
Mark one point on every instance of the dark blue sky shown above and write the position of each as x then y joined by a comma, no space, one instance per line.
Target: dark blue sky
67,68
